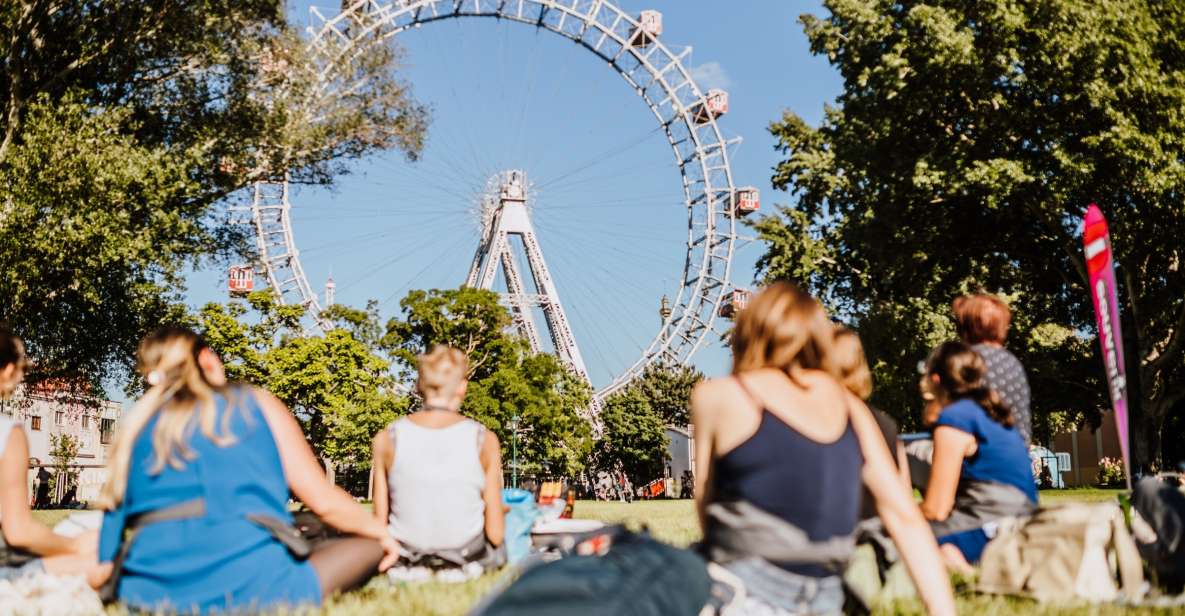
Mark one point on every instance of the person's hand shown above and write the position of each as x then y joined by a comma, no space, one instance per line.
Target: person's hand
97,575
390,552
87,544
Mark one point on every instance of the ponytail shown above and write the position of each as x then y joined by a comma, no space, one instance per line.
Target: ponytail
178,390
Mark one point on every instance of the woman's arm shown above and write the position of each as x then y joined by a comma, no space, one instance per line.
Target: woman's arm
20,529
703,430
491,462
384,456
903,467
951,445
309,483
900,515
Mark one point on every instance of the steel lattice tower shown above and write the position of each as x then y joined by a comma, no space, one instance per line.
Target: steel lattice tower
504,219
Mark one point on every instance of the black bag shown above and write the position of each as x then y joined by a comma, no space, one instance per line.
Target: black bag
638,576
1162,506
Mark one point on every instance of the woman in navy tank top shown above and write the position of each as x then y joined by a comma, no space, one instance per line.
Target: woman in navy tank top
782,450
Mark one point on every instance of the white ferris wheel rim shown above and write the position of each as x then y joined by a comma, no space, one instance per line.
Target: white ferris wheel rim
649,67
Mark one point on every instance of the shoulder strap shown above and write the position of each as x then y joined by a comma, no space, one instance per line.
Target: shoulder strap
481,435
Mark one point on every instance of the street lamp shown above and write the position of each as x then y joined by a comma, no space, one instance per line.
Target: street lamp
514,422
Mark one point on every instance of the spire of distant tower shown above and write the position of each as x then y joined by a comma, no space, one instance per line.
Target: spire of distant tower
506,219
330,291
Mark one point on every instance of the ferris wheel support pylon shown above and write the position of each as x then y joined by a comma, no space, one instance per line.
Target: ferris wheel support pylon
511,220
631,46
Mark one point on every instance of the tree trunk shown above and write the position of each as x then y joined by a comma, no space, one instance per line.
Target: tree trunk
1143,448
330,470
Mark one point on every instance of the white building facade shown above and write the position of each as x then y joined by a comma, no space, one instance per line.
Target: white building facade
46,413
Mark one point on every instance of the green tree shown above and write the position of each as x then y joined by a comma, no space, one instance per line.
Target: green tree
634,436
340,387
667,390
63,449
967,142
506,378
124,124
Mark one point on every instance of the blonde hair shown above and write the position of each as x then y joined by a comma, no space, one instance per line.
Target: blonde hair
850,364
783,328
442,369
177,391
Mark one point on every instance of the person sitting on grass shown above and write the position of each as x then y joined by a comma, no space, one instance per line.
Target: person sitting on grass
26,546
438,479
852,371
980,471
214,464
781,452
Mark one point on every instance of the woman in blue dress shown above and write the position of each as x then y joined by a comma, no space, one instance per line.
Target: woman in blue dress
221,453
980,472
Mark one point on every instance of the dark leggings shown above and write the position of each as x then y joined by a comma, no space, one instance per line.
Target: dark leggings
345,563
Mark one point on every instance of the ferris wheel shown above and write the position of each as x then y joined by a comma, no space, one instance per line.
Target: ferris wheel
630,45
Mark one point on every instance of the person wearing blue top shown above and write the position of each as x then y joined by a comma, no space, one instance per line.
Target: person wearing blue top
221,456
980,471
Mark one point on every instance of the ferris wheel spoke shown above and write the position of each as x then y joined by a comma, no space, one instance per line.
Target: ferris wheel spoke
449,249
601,158
377,267
597,254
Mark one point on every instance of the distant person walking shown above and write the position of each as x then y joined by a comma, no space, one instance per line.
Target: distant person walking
438,479
218,461
982,321
26,546
781,452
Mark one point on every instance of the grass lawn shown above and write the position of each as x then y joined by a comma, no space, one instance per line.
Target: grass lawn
673,522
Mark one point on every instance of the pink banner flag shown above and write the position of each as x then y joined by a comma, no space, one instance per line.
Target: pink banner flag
1097,243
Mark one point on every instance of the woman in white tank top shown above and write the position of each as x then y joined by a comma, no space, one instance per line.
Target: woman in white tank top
26,546
438,474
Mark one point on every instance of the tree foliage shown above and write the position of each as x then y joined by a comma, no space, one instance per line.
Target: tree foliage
634,436
507,380
967,142
667,390
124,123
338,385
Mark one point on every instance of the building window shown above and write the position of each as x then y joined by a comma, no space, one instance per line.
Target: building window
106,430
86,422
35,423
59,418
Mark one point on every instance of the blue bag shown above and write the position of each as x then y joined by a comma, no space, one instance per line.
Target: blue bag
519,521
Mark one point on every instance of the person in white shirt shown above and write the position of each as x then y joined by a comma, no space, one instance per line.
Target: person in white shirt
438,478
26,546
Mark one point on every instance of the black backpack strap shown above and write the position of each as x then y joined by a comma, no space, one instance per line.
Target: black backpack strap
187,510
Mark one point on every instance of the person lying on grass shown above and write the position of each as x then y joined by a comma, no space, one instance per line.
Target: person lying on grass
220,460
26,546
980,470
438,479
782,449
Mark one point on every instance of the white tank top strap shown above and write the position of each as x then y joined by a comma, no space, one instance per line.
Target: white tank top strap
6,426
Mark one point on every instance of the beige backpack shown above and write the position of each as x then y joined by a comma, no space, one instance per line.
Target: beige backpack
1067,552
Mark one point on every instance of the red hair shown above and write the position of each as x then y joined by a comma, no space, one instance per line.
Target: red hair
981,317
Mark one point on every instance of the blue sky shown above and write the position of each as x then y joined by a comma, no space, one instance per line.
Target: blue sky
608,205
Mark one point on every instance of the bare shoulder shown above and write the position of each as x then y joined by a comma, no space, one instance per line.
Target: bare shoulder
275,412
707,396
268,402
491,441
381,442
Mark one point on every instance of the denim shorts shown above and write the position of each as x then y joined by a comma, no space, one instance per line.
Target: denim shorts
33,567
774,591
